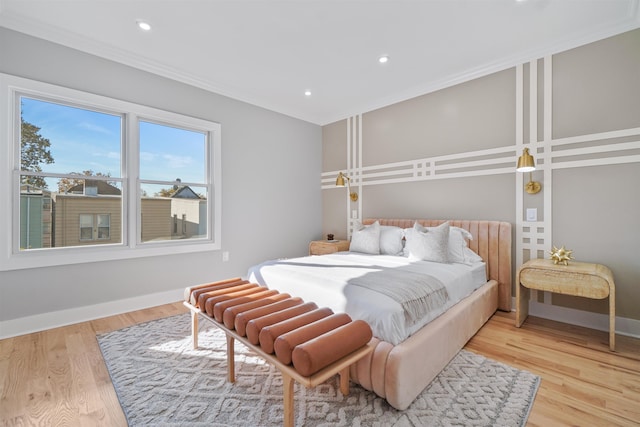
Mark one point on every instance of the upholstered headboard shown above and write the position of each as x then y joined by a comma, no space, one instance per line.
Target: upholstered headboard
491,240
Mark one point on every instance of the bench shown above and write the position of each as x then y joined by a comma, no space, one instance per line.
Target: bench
311,344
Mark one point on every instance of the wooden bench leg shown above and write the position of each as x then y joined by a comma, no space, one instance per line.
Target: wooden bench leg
194,329
231,359
287,385
344,381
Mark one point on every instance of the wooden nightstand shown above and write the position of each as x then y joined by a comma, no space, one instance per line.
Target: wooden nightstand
578,279
323,247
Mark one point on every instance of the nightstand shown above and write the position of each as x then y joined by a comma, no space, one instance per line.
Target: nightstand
578,279
323,247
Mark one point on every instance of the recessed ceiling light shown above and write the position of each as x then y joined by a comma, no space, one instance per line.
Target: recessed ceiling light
307,93
383,59
143,25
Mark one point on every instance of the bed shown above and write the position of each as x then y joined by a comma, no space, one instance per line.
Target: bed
409,351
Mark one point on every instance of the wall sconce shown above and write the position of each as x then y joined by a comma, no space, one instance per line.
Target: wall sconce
527,164
340,183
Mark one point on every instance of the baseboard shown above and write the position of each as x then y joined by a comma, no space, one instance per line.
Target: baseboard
54,319
41,322
597,321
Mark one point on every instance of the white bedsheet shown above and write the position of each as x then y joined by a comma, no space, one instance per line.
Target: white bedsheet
324,280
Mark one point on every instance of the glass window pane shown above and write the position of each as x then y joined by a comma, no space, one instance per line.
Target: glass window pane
172,154
53,219
77,143
103,220
62,139
86,221
104,226
86,227
173,212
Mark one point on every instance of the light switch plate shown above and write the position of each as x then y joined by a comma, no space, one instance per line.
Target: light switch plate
354,214
532,214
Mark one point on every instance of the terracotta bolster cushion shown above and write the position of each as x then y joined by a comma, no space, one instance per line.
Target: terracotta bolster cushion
211,301
188,291
311,356
215,290
254,326
242,318
219,308
230,314
268,334
285,343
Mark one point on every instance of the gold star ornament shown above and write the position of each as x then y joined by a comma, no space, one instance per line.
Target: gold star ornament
561,256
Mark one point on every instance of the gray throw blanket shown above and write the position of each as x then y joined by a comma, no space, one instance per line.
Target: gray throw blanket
417,293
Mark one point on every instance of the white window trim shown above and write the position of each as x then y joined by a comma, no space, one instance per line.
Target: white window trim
10,259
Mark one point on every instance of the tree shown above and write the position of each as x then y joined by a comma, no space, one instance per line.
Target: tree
64,184
165,192
34,150
168,192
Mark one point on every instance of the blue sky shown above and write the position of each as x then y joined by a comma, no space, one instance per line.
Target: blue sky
84,139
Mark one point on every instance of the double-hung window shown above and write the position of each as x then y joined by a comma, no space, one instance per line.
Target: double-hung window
87,178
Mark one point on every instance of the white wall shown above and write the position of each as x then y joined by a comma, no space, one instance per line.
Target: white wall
271,201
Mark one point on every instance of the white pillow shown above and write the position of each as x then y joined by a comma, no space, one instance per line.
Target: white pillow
428,244
366,239
470,257
458,244
391,240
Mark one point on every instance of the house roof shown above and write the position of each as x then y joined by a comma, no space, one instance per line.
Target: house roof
103,187
185,192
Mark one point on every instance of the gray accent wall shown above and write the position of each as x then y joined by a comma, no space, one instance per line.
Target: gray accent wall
271,202
595,209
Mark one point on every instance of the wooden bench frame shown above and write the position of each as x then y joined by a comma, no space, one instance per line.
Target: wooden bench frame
289,374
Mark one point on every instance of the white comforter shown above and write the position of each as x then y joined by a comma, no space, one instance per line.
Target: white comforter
324,280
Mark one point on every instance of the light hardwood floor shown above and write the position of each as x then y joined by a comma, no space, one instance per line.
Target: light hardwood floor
58,377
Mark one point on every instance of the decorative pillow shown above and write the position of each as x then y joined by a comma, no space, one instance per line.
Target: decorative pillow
428,244
391,240
366,239
458,244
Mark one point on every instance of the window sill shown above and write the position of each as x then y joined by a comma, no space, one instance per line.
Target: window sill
80,255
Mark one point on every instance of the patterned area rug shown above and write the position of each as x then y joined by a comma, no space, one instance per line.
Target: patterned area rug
161,380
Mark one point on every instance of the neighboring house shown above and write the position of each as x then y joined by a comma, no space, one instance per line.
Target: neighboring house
88,214
188,212
35,218
156,218
91,214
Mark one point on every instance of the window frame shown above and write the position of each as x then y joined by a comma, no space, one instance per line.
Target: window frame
11,258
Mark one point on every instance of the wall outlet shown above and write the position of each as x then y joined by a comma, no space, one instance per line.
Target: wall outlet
225,256
532,214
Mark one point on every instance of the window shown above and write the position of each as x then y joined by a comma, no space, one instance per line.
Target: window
98,178
104,226
86,227
89,232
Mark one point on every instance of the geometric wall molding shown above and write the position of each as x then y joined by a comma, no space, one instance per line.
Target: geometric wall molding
533,239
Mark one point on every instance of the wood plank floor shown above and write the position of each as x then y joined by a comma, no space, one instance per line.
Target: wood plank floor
58,377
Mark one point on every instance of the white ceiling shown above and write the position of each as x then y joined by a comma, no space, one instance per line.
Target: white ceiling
269,52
